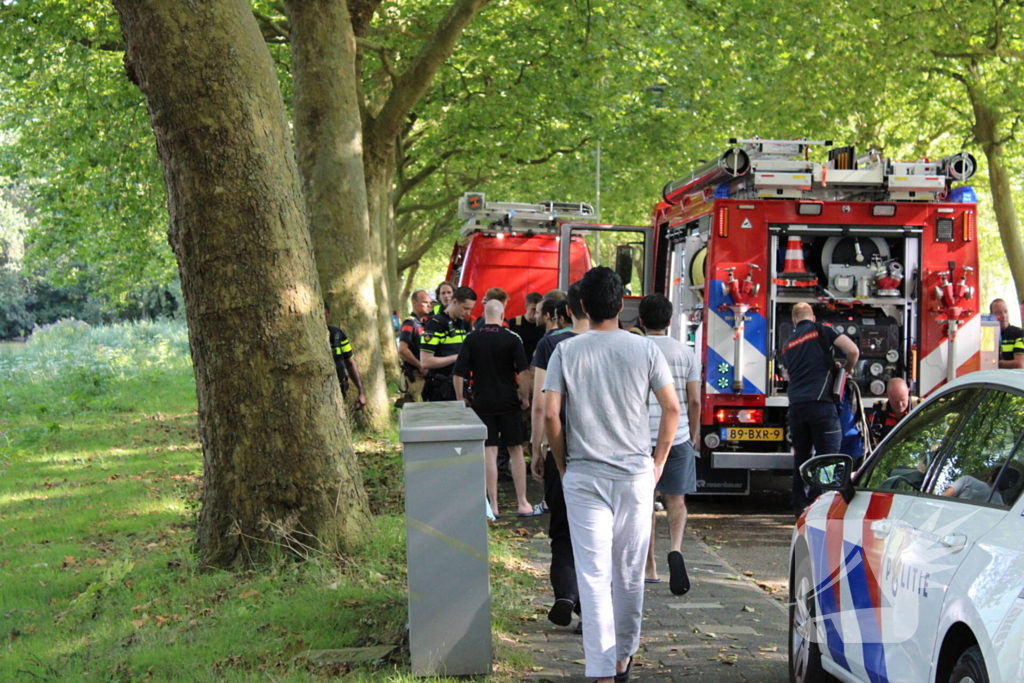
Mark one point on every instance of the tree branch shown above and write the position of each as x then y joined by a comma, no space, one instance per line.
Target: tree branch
414,254
415,81
385,62
103,46
547,157
274,29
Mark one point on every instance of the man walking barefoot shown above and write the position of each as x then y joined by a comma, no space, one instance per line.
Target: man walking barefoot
603,378
494,358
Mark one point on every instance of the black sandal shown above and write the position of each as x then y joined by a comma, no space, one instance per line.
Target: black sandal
624,676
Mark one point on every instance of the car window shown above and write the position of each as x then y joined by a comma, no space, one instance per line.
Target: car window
902,462
974,467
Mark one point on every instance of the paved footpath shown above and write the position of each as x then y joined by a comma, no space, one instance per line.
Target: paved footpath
725,629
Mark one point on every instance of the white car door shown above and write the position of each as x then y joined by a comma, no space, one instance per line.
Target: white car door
960,503
850,545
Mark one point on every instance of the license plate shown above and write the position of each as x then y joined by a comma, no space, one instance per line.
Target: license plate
752,433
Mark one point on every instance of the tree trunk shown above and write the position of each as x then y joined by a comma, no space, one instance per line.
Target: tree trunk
409,277
986,133
328,136
379,169
278,465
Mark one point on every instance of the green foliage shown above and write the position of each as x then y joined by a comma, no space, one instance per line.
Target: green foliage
100,484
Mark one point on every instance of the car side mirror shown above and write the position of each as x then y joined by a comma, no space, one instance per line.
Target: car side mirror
829,472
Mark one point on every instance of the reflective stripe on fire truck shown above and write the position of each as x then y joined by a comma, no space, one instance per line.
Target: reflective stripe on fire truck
720,347
933,366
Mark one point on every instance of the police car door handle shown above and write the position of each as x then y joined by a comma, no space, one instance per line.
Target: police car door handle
881,527
954,541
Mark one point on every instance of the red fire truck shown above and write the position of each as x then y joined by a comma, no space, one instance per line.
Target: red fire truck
515,246
886,251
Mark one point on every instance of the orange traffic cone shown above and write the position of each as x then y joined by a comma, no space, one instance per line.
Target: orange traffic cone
794,272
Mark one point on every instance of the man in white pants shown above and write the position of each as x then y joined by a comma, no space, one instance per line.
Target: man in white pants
603,378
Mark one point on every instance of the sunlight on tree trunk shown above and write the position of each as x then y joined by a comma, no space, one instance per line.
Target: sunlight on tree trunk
278,464
328,137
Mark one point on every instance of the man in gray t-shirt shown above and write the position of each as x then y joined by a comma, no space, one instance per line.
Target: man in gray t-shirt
603,378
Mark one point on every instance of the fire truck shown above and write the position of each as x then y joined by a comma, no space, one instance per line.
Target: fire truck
885,251
515,246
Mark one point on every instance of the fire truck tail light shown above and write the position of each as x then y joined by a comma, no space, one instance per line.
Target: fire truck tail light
712,441
968,226
883,210
739,415
809,208
723,222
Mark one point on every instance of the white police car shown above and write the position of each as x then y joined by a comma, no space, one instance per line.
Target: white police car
912,568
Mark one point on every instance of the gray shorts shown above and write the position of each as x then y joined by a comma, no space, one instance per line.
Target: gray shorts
680,474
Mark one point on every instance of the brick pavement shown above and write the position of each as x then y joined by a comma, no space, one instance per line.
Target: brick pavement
725,629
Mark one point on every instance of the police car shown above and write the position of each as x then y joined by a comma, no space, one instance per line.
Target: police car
911,568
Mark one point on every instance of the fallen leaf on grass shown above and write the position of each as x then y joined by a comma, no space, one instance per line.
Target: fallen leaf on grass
251,593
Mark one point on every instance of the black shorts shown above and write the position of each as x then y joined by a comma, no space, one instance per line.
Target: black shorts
504,430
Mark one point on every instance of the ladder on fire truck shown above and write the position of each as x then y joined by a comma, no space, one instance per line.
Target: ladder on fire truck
484,216
772,169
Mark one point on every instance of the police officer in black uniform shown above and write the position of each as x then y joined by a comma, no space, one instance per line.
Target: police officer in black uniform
806,359
344,363
442,339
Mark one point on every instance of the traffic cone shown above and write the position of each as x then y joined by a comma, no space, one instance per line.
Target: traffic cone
794,272
794,264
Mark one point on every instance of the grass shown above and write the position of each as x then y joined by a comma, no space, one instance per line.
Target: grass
100,474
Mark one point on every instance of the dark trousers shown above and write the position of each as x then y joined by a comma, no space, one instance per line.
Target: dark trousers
563,566
812,425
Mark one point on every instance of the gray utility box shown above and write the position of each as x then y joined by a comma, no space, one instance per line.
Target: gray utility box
446,540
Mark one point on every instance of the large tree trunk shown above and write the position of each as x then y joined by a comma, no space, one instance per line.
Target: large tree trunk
328,136
278,465
986,133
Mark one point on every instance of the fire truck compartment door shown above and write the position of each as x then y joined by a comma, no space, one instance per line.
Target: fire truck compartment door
567,230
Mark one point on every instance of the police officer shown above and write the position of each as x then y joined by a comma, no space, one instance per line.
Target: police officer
442,339
806,359
409,345
1011,343
344,363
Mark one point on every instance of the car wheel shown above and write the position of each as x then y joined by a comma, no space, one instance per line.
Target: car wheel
804,653
970,668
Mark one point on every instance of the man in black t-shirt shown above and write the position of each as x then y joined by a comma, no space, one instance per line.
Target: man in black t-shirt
493,357
813,416
442,338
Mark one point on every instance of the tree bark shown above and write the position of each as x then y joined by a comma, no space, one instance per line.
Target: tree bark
328,136
278,465
378,196
986,133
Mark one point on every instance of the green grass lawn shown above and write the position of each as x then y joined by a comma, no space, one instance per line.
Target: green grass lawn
100,475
